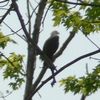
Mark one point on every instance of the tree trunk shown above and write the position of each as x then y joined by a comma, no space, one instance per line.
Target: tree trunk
31,60
29,71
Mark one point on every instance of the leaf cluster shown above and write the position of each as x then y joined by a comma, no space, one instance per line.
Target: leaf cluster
13,69
85,19
4,40
85,85
12,65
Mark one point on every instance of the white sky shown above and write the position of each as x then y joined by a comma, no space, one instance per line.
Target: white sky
78,46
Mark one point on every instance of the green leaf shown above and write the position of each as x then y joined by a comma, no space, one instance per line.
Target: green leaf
4,40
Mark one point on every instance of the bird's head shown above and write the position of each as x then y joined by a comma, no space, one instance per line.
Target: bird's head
54,33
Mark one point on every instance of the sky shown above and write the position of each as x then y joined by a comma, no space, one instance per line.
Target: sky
78,46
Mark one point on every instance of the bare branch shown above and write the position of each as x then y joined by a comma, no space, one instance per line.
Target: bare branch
4,16
3,1
38,20
29,38
40,76
30,61
46,12
34,9
92,42
14,32
45,15
32,42
4,96
3,9
75,3
29,16
7,2
87,70
65,44
95,58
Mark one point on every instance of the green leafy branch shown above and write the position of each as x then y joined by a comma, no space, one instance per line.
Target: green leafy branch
13,69
86,19
85,85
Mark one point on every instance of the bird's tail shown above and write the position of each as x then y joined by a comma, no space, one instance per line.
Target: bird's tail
53,69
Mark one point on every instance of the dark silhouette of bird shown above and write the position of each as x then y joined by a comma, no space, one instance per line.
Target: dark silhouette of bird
49,49
51,45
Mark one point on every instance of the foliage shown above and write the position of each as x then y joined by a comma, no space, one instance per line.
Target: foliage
13,69
81,18
12,65
86,85
4,40
84,18
87,20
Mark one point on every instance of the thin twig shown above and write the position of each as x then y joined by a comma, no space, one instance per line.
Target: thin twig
29,17
34,9
92,42
46,13
87,71
5,4
14,32
94,58
3,1
75,3
4,96
3,9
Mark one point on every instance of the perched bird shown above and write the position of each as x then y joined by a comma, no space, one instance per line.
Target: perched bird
49,49
51,45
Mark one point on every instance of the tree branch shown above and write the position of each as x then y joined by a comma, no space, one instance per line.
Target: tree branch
92,42
33,43
14,32
3,1
39,78
47,60
5,96
29,16
62,68
30,59
76,3
65,44
39,16
4,16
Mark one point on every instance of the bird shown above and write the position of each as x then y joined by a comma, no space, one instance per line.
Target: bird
51,45
49,49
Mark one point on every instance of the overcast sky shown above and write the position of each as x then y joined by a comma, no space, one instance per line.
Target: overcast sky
79,45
